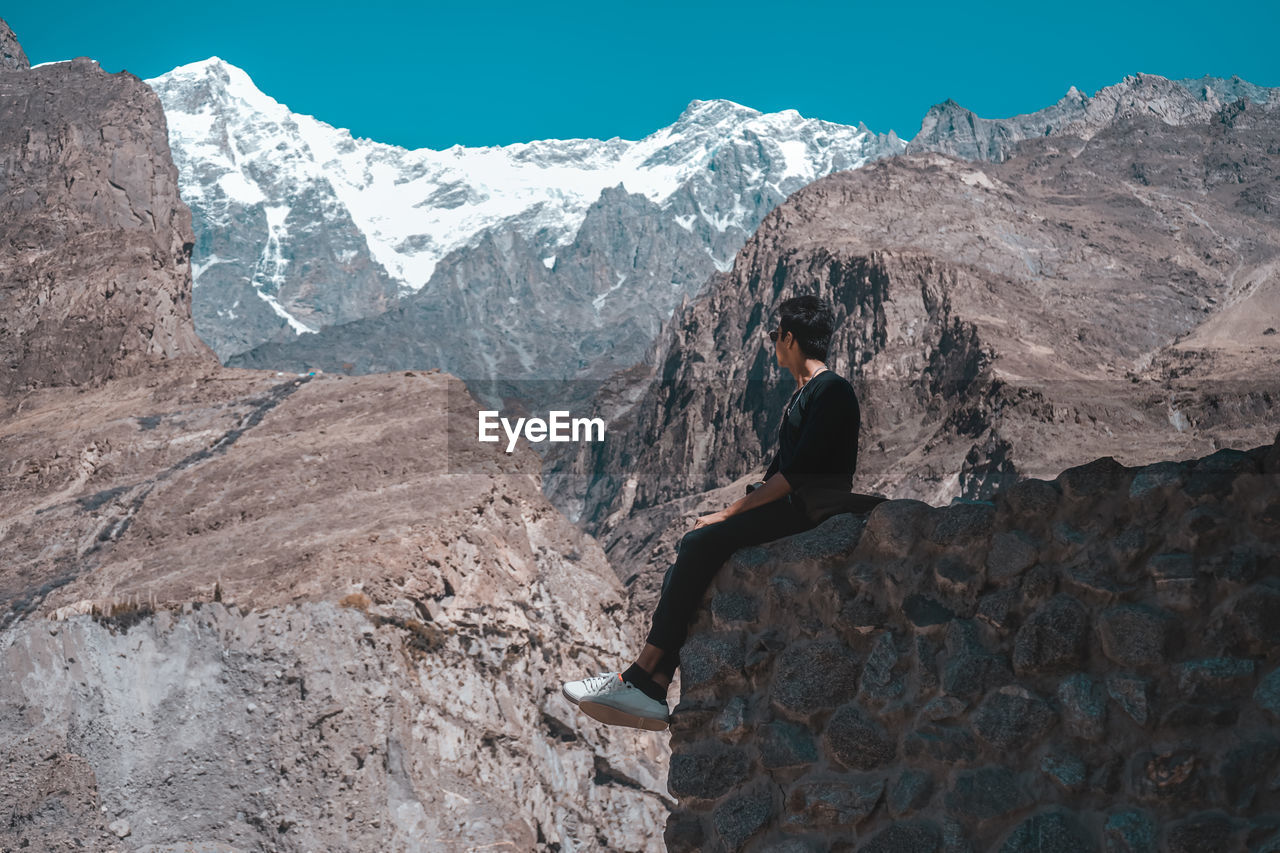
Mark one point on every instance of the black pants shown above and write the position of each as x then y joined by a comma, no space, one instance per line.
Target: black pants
700,555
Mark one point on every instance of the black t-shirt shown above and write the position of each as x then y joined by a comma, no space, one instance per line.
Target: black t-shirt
818,441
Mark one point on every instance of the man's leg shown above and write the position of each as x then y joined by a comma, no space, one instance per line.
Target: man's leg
700,555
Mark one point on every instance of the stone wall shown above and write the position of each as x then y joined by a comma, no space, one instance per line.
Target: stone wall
1077,665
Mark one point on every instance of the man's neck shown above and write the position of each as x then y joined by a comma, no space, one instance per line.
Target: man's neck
808,370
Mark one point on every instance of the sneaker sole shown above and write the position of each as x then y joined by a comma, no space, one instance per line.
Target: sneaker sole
614,717
565,693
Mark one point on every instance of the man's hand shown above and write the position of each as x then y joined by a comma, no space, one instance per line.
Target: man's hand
713,518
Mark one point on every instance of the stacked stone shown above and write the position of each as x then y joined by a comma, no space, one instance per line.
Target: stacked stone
1086,664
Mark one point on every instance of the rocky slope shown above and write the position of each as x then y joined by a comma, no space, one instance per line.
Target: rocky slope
1113,296
1082,664
383,669
95,274
303,227
244,610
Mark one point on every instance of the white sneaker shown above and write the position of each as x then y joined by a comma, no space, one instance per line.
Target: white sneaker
575,690
615,702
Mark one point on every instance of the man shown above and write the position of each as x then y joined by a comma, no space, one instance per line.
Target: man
818,449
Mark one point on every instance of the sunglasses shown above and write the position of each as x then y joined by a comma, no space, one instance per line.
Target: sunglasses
774,334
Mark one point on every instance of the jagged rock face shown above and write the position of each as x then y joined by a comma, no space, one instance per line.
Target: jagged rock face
12,56
997,320
951,129
1086,663
96,260
426,707
606,236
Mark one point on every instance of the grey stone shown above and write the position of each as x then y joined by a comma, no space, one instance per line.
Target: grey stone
911,792
1083,706
1208,678
1033,499
997,608
1101,475
1012,553
984,794
1127,546
1038,583
707,775
1067,534
1049,832
1053,638
943,708
926,663
1012,718
971,675
785,744
893,528
815,676
740,817
1131,692
916,836
842,803
707,660
953,838
962,523
1267,694
858,741
730,724
731,608
862,615
1135,634
1092,580
1157,476
944,744
1130,831
1066,769
878,681
1207,832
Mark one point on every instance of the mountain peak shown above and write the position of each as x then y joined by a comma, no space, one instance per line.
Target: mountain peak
715,112
12,57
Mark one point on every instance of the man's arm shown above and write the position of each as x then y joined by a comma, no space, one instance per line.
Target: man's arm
774,488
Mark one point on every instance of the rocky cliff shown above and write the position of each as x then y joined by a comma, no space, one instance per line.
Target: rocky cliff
1078,664
95,272
949,128
1106,296
245,610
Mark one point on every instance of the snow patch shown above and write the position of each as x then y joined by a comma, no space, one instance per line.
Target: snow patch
549,261
299,328
240,189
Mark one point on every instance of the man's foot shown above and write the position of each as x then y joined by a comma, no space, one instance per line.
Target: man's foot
616,702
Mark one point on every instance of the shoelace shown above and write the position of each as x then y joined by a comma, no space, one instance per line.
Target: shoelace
595,682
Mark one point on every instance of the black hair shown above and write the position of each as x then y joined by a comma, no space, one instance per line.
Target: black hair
811,321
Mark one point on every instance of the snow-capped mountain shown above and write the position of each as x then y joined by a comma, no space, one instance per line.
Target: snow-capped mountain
302,226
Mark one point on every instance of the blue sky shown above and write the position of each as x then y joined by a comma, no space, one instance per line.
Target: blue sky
495,73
